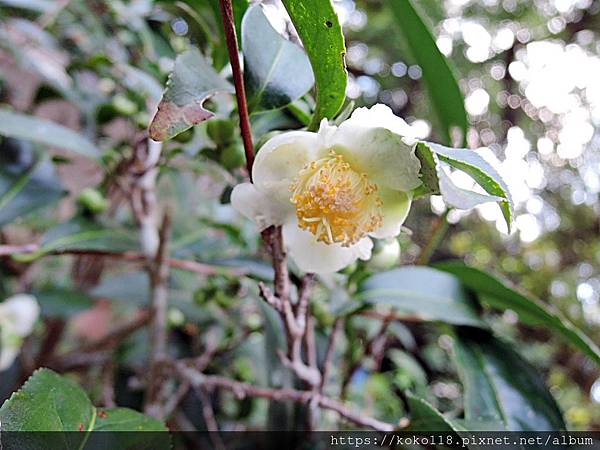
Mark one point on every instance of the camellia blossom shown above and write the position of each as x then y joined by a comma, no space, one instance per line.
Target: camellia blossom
333,190
18,315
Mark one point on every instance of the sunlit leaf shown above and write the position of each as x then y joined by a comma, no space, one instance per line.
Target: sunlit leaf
422,292
435,157
498,294
444,92
319,29
499,386
192,82
277,71
30,128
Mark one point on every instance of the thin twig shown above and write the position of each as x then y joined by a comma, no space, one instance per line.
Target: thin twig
175,399
108,384
159,274
372,347
209,419
242,390
438,231
328,358
238,81
132,256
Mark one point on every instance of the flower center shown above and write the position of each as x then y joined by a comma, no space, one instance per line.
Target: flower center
335,203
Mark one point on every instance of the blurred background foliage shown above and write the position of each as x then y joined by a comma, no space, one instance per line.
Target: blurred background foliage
529,70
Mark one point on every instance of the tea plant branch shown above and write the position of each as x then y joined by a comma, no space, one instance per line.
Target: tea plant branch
159,273
242,390
238,81
209,418
328,358
132,256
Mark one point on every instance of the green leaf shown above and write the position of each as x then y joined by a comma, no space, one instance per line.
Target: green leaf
125,419
25,185
277,71
499,386
470,162
61,302
191,83
50,402
425,418
321,33
29,128
498,294
82,235
443,89
427,293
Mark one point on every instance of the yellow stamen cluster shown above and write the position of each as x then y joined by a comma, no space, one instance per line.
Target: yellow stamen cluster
334,202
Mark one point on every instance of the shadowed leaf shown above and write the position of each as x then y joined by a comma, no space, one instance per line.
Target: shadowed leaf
502,387
498,294
423,292
270,61
30,128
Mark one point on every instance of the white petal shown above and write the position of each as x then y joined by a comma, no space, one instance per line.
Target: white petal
396,205
318,257
380,153
19,314
259,207
381,116
458,197
280,160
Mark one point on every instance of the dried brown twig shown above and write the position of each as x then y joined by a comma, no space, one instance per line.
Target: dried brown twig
242,390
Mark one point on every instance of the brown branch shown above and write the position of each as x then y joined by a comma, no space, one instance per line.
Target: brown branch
209,419
98,351
238,81
108,384
132,256
242,390
175,399
273,238
159,274
328,358
372,348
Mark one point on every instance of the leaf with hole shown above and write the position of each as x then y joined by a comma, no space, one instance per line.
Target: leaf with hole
426,293
276,70
192,82
321,33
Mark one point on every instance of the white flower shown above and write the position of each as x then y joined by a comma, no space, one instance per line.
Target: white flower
18,315
333,189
